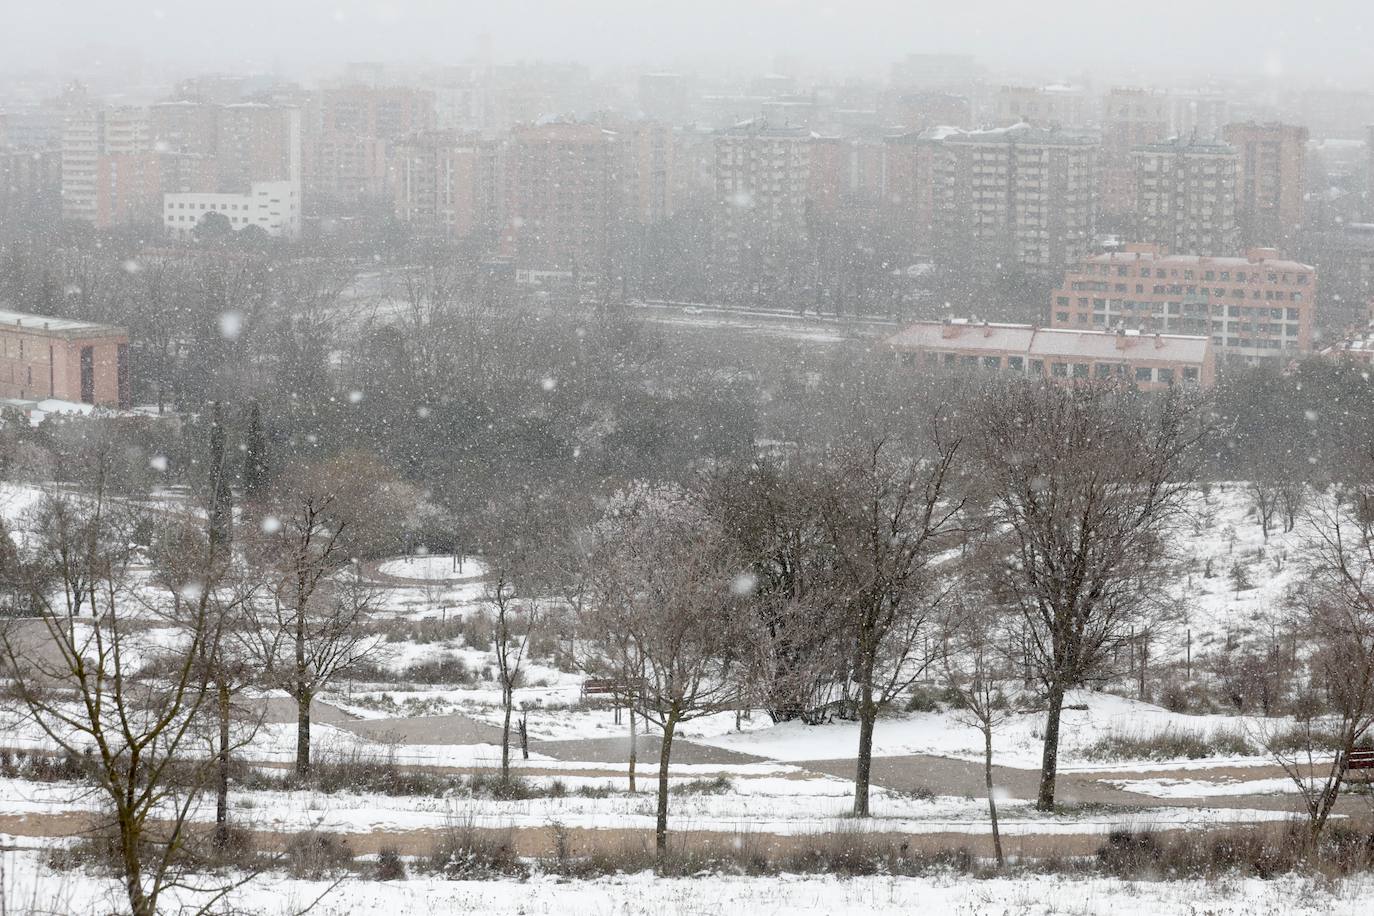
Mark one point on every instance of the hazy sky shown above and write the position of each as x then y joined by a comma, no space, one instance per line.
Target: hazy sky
1302,41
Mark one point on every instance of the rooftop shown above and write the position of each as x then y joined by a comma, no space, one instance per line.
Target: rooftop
66,327
1025,133
994,337
1195,260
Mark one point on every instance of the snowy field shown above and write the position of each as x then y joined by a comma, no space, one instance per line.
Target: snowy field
31,885
734,774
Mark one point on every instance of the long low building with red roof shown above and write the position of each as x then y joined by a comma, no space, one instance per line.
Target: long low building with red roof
1151,361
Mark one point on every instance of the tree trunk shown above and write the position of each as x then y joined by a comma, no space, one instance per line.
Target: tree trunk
507,700
222,776
130,835
1049,763
303,697
868,713
303,734
992,801
664,755
634,748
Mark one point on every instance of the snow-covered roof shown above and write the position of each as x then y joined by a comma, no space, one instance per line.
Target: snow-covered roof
51,324
1022,132
1049,343
1125,258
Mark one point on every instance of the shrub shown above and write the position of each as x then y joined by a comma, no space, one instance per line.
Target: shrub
924,699
716,785
466,851
1170,744
390,866
313,855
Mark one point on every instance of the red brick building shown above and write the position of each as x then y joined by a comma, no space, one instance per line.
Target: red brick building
42,357
1254,307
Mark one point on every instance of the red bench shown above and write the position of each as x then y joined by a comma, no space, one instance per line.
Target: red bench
1361,758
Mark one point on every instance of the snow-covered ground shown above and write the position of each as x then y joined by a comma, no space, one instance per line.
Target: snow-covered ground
434,567
431,607
30,884
1088,716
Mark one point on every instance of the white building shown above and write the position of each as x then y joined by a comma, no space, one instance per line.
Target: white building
273,206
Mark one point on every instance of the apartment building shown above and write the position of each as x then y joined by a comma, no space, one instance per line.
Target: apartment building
1185,196
1130,118
1018,195
907,204
43,357
1046,106
30,184
447,184
1271,181
563,196
88,136
1257,307
274,207
257,141
348,133
1151,361
762,183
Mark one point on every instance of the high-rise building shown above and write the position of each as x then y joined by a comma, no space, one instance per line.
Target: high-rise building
447,185
1130,118
89,135
763,180
1019,196
185,126
1260,306
257,141
1198,115
916,111
30,186
1046,106
908,192
1271,180
1185,196
563,201
348,132
654,171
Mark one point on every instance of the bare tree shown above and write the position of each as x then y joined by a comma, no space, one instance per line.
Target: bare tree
889,510
126,708
663,622
974,666
1335,607
1082,484
321,519
1264,492
515,615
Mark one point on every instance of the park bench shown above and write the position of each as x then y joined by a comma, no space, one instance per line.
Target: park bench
1361,758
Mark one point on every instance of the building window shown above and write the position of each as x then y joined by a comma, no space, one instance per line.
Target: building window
992,362
1080,370
1190,373
1166,376
1144,374
1016,363
1060,370
122,380
88,375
